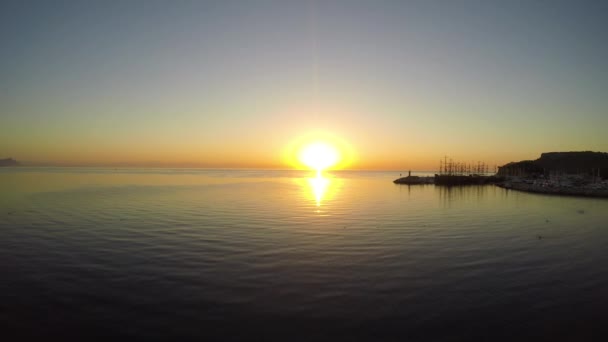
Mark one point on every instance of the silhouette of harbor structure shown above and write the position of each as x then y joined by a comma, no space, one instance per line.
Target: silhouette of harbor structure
448,167
8,162
582,173
456,173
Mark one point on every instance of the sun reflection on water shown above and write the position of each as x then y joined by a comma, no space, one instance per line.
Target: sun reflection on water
319,187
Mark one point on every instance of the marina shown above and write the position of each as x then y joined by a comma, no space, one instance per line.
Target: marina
554,173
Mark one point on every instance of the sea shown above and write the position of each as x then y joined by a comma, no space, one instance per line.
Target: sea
258,255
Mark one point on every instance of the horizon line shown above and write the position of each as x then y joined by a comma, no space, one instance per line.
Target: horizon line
208,168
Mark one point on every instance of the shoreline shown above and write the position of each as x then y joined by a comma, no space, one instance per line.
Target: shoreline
559,191
556,189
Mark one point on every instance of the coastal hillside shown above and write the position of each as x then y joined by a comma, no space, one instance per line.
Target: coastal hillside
586,162
8,162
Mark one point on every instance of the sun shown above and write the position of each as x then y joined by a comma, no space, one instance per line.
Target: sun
319,151
319,155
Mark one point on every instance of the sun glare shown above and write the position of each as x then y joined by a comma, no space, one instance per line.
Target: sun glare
319,156
318,151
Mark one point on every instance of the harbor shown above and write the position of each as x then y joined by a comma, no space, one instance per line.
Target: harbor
454,174
563,185
555,173
449,180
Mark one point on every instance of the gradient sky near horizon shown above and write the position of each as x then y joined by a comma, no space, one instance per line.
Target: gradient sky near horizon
233,83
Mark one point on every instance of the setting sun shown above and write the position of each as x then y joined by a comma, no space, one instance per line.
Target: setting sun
319,156
319,151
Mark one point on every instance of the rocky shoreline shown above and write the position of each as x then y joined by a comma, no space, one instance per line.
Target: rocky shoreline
555,190
561,187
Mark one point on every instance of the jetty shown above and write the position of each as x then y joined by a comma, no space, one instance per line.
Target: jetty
8,162
414,180
454,173
467,180
450,180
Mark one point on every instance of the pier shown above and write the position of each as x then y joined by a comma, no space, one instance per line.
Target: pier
455,173
450,180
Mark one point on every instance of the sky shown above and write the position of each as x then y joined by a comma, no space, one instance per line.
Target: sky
396,85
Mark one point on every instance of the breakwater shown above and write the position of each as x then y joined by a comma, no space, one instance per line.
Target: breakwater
450,180
466,180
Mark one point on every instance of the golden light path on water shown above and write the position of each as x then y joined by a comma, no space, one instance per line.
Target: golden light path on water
319,186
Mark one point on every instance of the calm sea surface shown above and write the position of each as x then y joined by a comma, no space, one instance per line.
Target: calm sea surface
285,256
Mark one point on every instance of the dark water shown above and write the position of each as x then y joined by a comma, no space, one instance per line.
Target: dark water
274,255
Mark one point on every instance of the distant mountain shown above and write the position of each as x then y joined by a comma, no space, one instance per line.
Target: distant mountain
585,162
8,162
